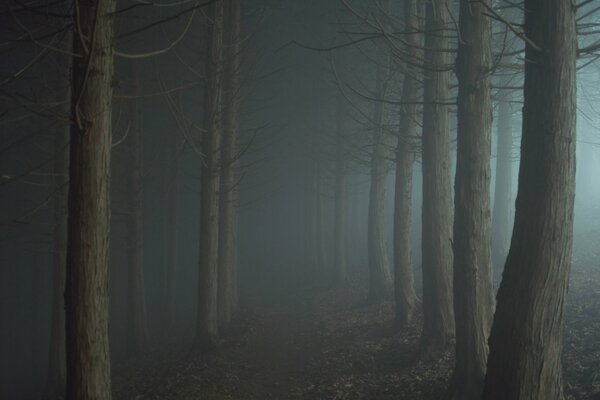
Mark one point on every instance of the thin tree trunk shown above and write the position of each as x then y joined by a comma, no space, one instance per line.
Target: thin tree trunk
503,200
55,386
473,295
228,219
340,194
404,290
171,193
380,279
526,338
137,335
438,317
86,296
208,321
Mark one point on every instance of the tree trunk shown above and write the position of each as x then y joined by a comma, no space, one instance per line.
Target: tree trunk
503,199
137,335
208,321
380,280
171,193
526,337
340,195
438,317
473,295
404,290
228,217
86,296
55,387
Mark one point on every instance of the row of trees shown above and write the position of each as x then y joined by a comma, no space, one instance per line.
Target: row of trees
524,327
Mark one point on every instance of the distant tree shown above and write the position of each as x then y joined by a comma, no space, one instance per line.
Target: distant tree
503,191
207,329
380,279
227,275
137,330
526,337
473,296
438,317
86,296
56,358
404,291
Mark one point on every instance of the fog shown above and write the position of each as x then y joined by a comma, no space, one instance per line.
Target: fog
320,107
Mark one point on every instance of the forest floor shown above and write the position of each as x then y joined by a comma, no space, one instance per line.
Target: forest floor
332,345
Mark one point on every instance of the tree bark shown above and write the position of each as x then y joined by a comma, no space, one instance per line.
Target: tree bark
137,334
208,321
438,317
526,338
503,199
86,296
380,279
473,294
228,217
404,290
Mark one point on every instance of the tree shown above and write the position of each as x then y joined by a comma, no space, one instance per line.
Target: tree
503,199
404,291
438,318
207,321
227,275
56,358
473,297
526,337
340,190
86,296
380,279
137,333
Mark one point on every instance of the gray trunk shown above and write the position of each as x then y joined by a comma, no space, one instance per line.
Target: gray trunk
208,321
438,317
228,214
404,291
526,338
380,279
473,295
86,296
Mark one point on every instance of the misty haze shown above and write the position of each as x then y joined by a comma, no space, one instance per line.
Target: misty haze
300,199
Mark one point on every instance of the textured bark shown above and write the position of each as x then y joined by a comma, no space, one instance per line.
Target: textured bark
380,280
340,195
404,290
438,317
526,338
208,321
137,335
57,357
86,296
227,210
473,295
503,199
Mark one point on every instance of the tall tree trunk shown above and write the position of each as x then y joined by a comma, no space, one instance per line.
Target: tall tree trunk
380,279
171,235
404,290
438,317
228,217
473,295
137,335
340,194
503,200
56,360
526,338
86,296
208,322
